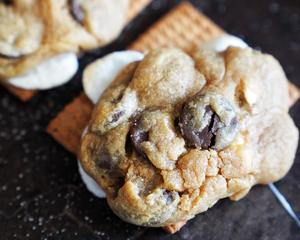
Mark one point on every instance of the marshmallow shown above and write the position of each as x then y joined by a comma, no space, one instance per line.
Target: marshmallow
222,43
99,74
51,73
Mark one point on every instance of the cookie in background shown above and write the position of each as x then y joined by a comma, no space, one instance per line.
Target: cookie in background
40,40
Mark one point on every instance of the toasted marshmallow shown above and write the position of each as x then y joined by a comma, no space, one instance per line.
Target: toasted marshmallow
51,73
99,74
90,183
222,43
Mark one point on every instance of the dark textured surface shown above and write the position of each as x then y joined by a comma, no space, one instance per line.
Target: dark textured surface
41,194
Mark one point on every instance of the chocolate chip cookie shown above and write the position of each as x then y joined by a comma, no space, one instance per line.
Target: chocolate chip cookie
175,133
34,31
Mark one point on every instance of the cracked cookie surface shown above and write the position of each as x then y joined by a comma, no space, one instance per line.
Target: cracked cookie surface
174,133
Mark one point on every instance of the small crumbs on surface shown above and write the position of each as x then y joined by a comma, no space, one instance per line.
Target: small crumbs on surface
100,233
19,196
40,221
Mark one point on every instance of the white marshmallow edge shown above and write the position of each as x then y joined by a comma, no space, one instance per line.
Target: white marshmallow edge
98,75
51,73
222,43
90,183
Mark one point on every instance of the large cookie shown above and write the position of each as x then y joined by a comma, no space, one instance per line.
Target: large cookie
175,133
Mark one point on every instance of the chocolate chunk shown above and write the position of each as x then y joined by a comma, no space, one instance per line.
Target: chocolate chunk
206,137
204,127
116,116
138,136
169,197
104,161
77,11
128,145
110,165
116,182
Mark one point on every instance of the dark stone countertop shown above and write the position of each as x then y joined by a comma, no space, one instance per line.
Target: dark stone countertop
42,196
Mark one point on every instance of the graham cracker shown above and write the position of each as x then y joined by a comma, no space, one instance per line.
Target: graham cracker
294,93
22,94
135,6
173,228
72,120
183,27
